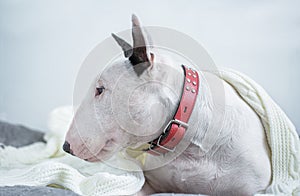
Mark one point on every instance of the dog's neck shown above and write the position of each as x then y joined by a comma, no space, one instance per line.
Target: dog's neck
202,111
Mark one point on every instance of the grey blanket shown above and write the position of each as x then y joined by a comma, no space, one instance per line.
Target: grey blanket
17,135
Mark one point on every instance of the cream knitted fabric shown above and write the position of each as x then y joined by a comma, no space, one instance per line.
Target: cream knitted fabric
42,164
281,133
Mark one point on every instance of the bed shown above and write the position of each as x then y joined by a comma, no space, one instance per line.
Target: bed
18,136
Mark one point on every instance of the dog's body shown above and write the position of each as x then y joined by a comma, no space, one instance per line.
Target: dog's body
237,164
238,161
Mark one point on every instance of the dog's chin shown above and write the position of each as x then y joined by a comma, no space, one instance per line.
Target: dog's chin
103,155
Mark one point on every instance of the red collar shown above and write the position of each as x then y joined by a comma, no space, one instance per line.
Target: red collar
175,130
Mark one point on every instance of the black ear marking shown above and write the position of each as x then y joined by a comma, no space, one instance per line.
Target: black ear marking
138,53
141,67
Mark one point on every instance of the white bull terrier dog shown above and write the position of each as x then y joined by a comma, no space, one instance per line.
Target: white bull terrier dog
136,92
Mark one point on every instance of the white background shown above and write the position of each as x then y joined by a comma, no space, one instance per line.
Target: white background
43,43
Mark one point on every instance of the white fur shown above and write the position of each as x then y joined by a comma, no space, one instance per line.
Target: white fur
237,162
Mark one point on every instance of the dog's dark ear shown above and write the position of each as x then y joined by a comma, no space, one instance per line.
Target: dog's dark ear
126,47
138,53
139,57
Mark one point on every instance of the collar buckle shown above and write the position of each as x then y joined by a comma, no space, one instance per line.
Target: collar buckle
178,122
175,121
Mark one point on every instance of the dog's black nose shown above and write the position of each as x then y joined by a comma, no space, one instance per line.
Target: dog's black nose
67,148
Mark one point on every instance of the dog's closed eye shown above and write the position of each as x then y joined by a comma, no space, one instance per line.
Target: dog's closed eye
99,91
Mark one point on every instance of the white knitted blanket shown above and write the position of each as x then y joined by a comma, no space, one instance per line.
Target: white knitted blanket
42,164
281,133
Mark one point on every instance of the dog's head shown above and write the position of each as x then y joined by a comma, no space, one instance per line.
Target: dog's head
127,104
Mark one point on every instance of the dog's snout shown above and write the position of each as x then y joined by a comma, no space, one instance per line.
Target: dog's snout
67,148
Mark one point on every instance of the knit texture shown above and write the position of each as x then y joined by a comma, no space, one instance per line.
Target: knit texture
281,134
42,164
